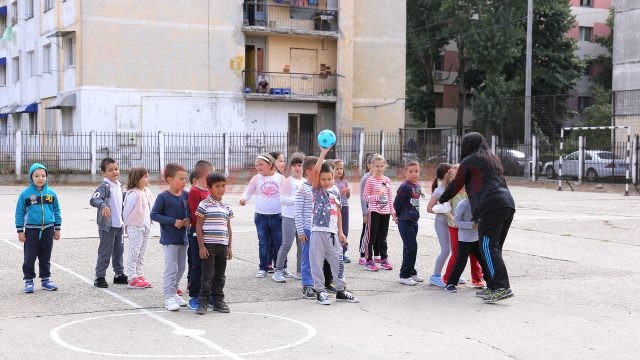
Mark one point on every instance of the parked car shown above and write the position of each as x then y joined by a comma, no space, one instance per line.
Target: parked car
597,163
513,162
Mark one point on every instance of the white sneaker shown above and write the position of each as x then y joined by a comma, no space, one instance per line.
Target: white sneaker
417,278
407,281
462,280
171,304
278,277
288,274
323,298
261,274
180,301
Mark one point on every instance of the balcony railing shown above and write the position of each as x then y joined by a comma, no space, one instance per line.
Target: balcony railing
284,18
323,86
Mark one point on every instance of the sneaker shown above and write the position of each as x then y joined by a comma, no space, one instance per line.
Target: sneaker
278,277
288,274
417,278
179,292
137,284
100,282
482,293
377,259
48,285
362,261
28,287
270,269
479,284
331,288
297,276
121,279
497,295
450,288
194,303
201,309
171,304
323,298
308,292
436,280
146,281
220,306
346,259
385,264
179,300
371,266
407,281
344,295
261,274
462,281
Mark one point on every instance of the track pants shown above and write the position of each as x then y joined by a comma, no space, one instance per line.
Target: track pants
492,232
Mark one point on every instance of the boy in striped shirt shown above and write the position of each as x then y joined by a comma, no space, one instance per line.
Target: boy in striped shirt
213,229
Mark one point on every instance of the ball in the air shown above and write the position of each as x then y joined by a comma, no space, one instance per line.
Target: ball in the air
326,139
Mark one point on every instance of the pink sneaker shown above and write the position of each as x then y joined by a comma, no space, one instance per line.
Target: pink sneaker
371,266
137,284
179,292
362,261
145,280
385,264
377,259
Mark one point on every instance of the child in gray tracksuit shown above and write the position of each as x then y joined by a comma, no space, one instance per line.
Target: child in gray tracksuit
327,238
108,200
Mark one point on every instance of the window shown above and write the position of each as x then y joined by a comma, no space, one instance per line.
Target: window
15,66
588,69
583,102
69,49
67,120
586,3
28,9
3,23
46,58
31,65
438,63
49,121
33,123
48,5
4,126
439,100
14,13
585,33
3,75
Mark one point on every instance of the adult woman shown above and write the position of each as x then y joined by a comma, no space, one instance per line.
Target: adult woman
481,174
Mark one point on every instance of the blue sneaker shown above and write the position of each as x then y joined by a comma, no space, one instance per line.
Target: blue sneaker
28,287
194,303
436,280
48,285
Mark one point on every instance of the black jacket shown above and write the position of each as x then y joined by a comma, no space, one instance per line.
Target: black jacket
486,189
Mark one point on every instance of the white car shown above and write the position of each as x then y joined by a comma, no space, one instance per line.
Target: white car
597,163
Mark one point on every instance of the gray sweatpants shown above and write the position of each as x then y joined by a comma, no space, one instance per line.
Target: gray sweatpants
175,257
442,231
111,248
325,245
288,235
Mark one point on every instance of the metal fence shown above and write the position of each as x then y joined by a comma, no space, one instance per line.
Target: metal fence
259,16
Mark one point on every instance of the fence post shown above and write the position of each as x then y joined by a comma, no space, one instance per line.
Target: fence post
18,155
494,143
225,139
634,161
560,159
382,143
161,150
628,160
580,158
93,143
449,149
361,151
456,153
534,157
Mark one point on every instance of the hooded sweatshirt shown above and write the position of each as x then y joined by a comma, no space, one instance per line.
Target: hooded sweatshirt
38,209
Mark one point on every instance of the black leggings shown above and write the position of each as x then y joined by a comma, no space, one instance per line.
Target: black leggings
492,232
378,227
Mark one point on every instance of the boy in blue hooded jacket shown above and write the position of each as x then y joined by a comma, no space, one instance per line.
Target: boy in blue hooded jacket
38,221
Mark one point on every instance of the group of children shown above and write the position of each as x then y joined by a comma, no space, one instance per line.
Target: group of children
309,206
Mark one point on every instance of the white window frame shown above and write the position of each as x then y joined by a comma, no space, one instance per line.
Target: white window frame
584,102
3,75
28,9
48,5
30,68
15,69
46,58
69,52
33,123
583,31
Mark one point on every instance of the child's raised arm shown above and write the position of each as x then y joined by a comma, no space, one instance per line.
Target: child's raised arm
315,173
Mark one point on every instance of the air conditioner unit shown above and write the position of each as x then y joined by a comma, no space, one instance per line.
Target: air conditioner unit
128,139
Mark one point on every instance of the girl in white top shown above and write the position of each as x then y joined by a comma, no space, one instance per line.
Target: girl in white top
137,220
266,186
290,188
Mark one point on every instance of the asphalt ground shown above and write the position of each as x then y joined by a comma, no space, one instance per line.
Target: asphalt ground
572,258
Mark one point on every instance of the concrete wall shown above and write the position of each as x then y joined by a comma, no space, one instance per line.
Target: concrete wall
272,116
279,50
626,48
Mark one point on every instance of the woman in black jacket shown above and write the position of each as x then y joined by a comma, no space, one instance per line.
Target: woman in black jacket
481,174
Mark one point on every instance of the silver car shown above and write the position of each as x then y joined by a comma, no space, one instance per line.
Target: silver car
597,164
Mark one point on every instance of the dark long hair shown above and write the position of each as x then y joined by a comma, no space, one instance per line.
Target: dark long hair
474,143
441,171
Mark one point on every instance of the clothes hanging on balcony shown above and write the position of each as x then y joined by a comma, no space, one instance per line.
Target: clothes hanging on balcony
303,3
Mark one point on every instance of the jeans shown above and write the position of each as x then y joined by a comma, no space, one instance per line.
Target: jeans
38,245
408,232
269,228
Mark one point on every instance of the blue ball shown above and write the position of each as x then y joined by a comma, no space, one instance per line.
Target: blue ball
326,139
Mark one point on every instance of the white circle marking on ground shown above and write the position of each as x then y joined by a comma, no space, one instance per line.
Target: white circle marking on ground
55,335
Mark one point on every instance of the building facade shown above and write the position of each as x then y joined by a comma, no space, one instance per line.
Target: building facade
197,66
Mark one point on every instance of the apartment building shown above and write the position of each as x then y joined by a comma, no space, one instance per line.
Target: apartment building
202,65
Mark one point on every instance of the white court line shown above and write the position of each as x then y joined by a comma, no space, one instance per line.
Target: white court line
177,328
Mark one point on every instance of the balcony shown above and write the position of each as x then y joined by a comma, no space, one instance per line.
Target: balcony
286,19
280,86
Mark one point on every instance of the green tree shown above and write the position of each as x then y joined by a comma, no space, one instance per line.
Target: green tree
598,114
604,62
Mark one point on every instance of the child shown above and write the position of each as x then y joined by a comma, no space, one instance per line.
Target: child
476,270
440,223
407,207
280,163
363,205
213,229
325,227
171,210
290,188
377,193
266,185
280,168
108,200
197,193
345,193
468,242
38,222
137,220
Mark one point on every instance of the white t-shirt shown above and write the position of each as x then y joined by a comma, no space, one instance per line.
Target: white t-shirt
326,205
267,191
288,196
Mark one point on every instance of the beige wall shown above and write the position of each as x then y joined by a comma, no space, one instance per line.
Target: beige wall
279,49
